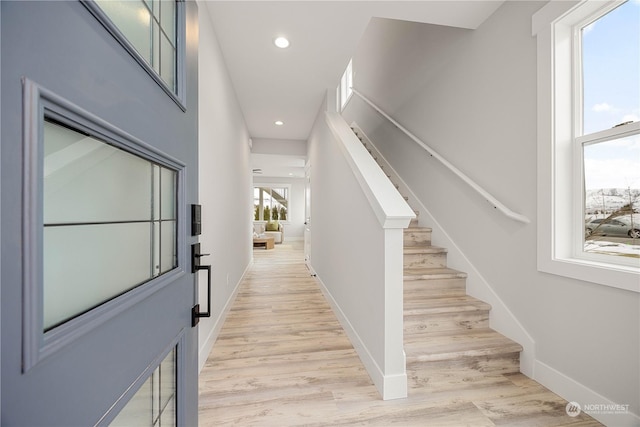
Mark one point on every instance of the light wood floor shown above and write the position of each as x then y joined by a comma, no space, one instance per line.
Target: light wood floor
282,359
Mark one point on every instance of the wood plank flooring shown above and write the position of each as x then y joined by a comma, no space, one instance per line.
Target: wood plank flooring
282,359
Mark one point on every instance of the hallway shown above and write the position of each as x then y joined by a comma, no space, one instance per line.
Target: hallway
282,359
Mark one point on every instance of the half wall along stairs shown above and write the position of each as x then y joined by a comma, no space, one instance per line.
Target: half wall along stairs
444,328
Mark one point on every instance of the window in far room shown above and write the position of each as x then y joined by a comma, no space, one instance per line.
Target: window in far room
271,203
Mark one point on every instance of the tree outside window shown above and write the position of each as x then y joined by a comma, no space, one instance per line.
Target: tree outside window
271,203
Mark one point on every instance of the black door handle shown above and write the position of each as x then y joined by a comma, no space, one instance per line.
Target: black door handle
196,314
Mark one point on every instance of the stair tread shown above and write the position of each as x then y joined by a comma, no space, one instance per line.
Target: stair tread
417,273
445,305
418,230
443,345
411,250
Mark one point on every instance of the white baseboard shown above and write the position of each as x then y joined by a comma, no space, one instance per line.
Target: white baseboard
205,348
599,407
389,386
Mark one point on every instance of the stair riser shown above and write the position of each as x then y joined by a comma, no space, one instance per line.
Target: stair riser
435,260
508,363
417,238
434,287
415,324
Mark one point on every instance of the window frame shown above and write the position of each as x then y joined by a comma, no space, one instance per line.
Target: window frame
345,88
40,103
272,185
560,186
179,96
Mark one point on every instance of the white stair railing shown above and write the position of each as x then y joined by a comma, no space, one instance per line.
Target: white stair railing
490,198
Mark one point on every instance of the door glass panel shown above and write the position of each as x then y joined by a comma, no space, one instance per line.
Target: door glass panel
150,27
101,203
77,276
154,404
168,193
168,18
168,259
133,19
86,180
168,62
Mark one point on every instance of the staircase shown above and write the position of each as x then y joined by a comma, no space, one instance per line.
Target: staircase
443,326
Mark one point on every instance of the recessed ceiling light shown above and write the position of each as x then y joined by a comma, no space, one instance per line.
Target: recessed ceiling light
279,122
281,42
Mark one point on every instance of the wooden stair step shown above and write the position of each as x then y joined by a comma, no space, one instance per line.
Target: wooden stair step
436,346
450,313
417,236
446,305
420,273
425,257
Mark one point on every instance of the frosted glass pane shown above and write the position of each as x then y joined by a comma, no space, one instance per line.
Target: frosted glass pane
156,248
154,404
156,47
168,195
168,259
168,65
86,265
86,180
137,412
156,192
133,20
168,18
168,382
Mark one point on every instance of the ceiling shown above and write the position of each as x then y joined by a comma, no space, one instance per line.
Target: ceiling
290,84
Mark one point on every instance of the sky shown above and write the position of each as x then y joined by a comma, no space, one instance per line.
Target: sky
611,85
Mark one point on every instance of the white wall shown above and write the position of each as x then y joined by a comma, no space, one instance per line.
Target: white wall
348,254
287,147
294,225
225,183
476,106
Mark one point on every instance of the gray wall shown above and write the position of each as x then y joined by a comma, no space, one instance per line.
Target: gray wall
472,97
225,183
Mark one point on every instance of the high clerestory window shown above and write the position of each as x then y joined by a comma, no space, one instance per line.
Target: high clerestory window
345,88
589,141
153,33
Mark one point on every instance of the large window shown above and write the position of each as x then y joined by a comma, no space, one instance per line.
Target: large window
271,203
589,141
109,221
607,52
152,32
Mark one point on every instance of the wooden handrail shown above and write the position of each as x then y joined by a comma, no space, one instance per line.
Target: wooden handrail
495,202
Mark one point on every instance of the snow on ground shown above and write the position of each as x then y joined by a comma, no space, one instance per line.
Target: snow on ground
612,248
